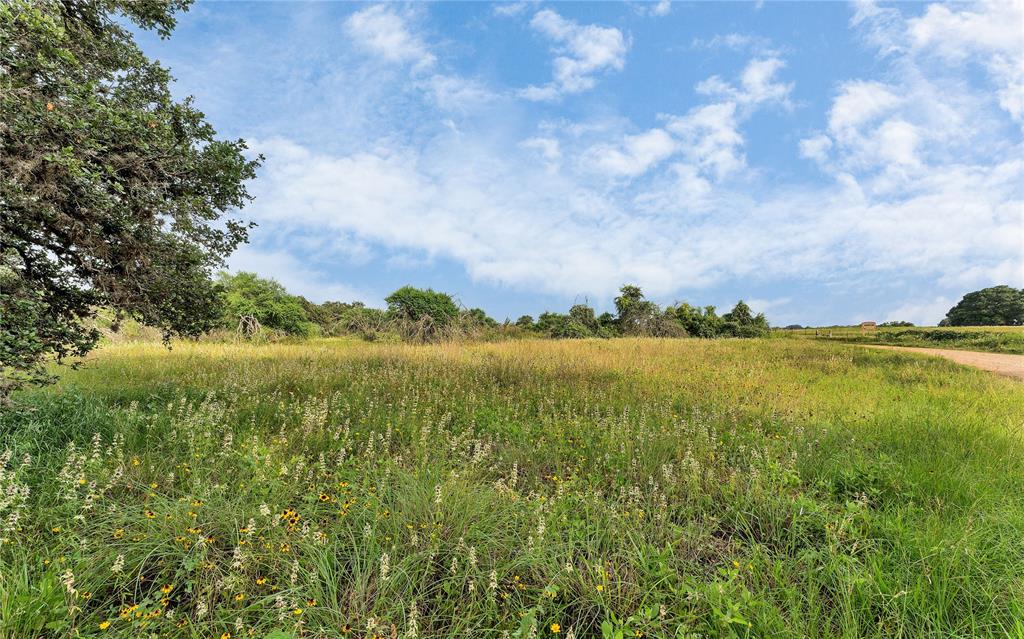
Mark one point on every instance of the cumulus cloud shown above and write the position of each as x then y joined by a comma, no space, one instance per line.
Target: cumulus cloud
581,52
922,180
992,34
634,155
385,32
708,136
757,84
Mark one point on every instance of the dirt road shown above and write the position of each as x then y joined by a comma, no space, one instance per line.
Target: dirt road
1000,363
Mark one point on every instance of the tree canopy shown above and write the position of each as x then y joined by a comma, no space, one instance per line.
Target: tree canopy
112,194
417,304
993,306
246,294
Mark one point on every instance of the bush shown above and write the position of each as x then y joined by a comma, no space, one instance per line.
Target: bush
741,322
246,294
418,305
562,326
526,322
698,322
368,323
641,317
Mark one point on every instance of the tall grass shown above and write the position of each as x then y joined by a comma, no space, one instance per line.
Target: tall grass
658,488
993,339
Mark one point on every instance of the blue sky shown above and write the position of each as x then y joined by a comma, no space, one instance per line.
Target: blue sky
826,162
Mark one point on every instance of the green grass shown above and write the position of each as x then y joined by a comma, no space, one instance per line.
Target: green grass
994,339
666,487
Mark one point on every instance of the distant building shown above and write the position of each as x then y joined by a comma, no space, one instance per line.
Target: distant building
868,326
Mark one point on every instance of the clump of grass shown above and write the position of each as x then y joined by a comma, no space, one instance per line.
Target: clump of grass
650,487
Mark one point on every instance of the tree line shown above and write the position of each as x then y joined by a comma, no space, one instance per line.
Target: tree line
416,314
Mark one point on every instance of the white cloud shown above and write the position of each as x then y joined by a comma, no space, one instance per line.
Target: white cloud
921,312
661,8
657,8
993,33
509,9
858,103
382,31
816,148
582,51
634,156
456,93
757,84
298,278
766,305
549,148
710,138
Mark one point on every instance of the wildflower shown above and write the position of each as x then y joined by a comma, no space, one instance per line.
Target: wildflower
104,625
260,581
69,582
311,602
600,587
225,635
166,589
150,514
297,612
119,533
240,596
555,629
118,565
385,566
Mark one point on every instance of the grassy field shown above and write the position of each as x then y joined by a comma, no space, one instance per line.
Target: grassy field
657,488
994,339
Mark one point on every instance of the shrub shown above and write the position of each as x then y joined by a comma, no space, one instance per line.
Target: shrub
741,322
246,294
417,305
526,322
641,317
562,326
698,322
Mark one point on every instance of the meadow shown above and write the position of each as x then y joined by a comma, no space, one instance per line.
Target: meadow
993,339
533,488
